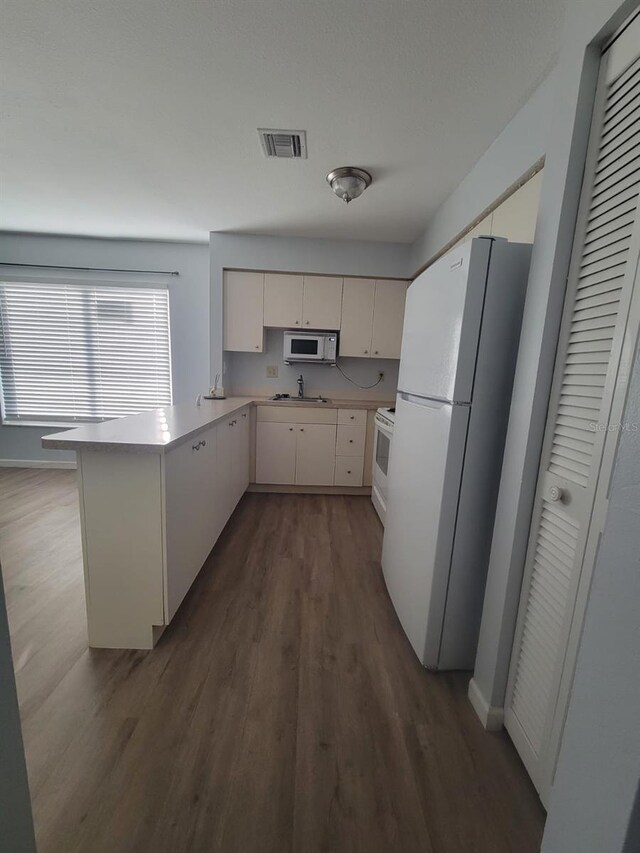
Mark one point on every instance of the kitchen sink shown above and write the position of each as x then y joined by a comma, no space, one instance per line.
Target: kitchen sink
316,400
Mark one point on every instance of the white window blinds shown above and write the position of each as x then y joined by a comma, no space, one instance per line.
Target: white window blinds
82,352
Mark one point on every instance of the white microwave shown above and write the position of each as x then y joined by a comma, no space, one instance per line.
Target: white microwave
319,347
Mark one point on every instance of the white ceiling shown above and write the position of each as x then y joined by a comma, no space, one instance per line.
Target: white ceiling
138,118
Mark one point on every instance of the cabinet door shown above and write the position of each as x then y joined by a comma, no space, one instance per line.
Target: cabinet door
224,480
349,470
243,311
322,302
240,456
191,512
388,317
283,300
276,452
358,298
315,454
350,440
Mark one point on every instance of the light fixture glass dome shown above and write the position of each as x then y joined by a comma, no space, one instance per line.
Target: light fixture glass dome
348,182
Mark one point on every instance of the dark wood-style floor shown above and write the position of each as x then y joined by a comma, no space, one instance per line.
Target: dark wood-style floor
283,710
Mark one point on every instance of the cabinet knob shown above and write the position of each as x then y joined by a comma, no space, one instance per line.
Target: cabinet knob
257,346
290,429
301,429
244,414
297,323
376,352
352,417
366,351
307,322
350,441
348,472
195,446
203,442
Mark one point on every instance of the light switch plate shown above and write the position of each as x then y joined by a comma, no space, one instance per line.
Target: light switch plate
272,372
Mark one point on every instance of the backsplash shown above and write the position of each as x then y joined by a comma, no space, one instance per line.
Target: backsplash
246,374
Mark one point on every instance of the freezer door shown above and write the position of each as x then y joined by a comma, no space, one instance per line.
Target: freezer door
442,320
425,466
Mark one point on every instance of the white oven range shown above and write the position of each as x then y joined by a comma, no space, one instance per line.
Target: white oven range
382,443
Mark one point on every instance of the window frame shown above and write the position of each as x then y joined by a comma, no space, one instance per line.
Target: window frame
17,275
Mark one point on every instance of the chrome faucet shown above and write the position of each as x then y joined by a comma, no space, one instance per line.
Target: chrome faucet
300,386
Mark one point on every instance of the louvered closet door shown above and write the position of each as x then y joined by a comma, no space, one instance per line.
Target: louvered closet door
599,290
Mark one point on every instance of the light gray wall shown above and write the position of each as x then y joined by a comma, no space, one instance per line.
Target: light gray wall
246,374
573,87
16,824
188,305
520,145
294,254
595,792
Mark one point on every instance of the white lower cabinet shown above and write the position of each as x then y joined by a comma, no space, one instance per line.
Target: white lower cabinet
349,470
204,478
315,454
276,453
191,474
327,452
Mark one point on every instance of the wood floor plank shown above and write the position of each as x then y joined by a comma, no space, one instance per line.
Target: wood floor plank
283,709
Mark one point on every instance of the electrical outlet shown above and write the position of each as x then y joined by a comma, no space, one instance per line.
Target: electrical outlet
272,372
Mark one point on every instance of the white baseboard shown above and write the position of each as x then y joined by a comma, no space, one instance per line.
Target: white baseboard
491,716
38,463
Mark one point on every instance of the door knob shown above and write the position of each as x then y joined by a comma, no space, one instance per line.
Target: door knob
556,493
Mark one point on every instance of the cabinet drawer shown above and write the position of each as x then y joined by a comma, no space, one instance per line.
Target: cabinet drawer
353,417
301,414
350,441
349,470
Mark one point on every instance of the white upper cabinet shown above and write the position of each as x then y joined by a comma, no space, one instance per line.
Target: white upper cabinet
358,299
243,311
516,217
283,300
372,317
388,317
322,302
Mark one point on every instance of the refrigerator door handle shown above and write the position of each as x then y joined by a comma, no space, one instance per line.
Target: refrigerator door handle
428,402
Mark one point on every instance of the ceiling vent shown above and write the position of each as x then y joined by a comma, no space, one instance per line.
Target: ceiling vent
290,144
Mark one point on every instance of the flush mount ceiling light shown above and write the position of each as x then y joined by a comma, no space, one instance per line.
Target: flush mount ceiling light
348,183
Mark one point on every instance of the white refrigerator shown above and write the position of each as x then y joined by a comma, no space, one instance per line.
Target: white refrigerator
459,346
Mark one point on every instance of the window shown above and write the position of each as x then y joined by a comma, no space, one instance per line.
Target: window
82,352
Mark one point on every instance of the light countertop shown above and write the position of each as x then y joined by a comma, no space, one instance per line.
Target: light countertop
162,429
